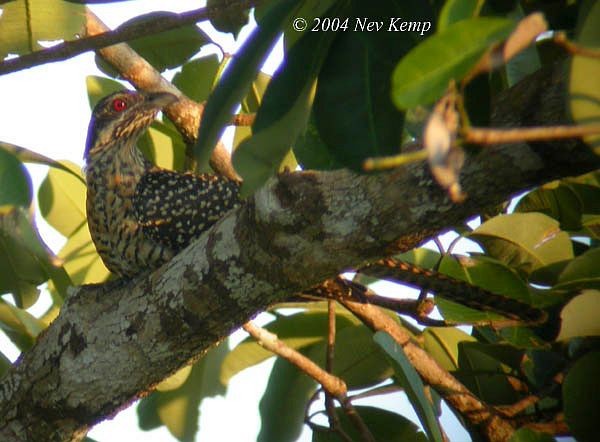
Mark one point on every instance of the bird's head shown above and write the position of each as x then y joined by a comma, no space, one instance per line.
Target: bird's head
119,118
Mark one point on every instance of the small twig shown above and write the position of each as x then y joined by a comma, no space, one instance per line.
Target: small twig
478,135
557,427
560,38
382,163
331,384
69,49
334,422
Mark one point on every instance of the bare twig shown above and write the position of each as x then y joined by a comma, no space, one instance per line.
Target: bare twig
334,421
560,38
331,384
478,135
69,49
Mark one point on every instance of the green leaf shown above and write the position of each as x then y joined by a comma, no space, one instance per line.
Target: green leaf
457,10
24,23
581,397
581,272
197,77
584,92
25,262
484,375
165,50
283,113
161,144
384,425
297,331
413,385
21,327
99,87
312,152
179,408
81,261
579,318
353,111
357,359
237,78
15,182
29,156
422,76
61,199
251,103
442,344
525,241
285,398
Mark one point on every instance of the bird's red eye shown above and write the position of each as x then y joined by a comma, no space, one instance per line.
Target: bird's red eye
119,104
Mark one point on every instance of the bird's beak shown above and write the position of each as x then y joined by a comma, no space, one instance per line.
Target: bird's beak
160,100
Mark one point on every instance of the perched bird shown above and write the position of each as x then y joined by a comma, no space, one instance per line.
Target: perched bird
140,215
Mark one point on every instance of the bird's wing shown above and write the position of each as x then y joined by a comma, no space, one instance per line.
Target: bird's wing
174,208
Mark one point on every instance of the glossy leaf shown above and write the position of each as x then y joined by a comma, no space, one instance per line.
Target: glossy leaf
15,182
24,23
285,398
581,271
353,111
61,199
581,397
357,359
412,384
579,318
197,77
99,87
525,241
81,261
237,78
457,10
384,425
584,91
442,344
422,76
484,375
29,156
19,326
25,262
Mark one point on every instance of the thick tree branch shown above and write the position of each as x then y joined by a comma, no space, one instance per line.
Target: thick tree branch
69,49
111,344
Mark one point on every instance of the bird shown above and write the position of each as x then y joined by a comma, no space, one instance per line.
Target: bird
140,215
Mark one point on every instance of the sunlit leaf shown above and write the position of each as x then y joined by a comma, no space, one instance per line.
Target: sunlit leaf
424,73
457,10
15,182
25,23
580,316
197,76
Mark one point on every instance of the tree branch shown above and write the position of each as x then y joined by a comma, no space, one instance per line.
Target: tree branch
113,343
69,49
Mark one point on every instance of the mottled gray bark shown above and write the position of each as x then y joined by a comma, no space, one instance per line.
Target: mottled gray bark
111,344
